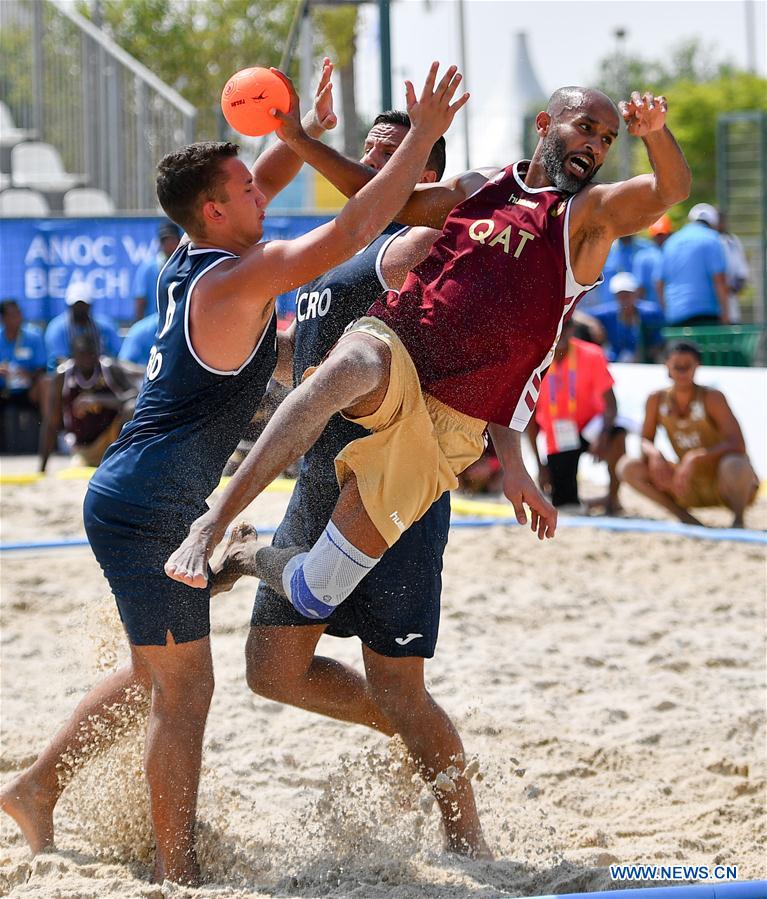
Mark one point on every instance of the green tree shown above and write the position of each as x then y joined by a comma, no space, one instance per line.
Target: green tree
693,112
337,27
195,46
690,60
699,88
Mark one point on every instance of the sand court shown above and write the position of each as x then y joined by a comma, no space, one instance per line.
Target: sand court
610,685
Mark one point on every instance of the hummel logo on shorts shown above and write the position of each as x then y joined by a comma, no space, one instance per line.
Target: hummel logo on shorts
403,641
397,520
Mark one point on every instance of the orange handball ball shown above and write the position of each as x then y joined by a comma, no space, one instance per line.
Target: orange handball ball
247,98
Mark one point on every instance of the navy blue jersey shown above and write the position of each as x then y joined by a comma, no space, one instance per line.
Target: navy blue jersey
324,308
189,417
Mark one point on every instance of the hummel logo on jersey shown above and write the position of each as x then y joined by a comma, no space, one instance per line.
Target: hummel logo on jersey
397,520
521,201
403,641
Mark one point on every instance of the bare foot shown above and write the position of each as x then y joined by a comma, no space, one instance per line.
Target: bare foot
237,560
610,506
187,873
686,518
473,846
31,807
270,562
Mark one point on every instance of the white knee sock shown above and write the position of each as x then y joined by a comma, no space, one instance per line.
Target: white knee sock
318,581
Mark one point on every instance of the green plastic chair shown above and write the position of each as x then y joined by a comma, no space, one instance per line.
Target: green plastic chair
721,344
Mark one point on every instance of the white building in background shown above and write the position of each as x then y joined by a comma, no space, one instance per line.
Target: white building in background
529,97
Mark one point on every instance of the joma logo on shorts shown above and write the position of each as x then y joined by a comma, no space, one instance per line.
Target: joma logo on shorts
397,520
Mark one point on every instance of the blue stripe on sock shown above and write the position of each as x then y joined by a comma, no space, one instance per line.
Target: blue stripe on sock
341,550
303,600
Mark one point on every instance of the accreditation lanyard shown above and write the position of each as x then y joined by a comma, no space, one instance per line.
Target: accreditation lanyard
556,382
565,432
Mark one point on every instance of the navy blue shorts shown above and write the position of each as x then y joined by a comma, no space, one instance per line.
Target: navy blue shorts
132,544
395,609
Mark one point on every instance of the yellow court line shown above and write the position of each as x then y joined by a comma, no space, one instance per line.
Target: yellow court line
75,473
462,506
281,485
82,473
21,478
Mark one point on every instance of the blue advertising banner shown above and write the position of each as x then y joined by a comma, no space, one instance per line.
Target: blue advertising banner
39,258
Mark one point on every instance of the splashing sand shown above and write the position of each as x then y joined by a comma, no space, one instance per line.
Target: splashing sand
581,689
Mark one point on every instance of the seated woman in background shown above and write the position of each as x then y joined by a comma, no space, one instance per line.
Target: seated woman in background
712,468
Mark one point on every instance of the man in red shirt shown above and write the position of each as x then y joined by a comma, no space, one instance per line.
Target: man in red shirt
461,349
577,412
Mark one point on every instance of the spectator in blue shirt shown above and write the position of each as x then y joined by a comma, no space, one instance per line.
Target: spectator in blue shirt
648,261
694,280
632,326
139,340
621,258
22,358
622,254
75,320
145,279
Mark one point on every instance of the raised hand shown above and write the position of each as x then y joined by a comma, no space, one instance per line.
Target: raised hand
290,127
643,113
322,111
432,112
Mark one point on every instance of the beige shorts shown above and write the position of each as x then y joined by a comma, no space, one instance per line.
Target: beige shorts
417,447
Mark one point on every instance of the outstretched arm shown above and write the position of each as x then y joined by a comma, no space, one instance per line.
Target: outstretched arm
428,205
280,265
276,167
629,206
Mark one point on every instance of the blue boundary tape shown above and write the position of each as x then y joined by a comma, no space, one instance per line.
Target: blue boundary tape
635,525
632,525
754,889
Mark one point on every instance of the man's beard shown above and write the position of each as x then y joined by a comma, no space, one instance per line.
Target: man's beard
553,153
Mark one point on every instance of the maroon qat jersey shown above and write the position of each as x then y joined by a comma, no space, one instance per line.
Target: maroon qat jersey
481,315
